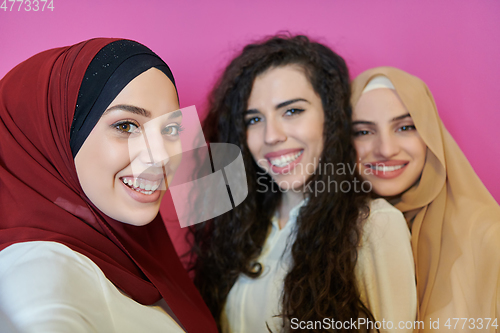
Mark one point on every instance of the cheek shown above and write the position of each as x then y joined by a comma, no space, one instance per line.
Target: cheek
422,153
419,150
112,157
311,134
174,150
104,157
362,148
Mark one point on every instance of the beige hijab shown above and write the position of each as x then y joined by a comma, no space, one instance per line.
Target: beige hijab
455,222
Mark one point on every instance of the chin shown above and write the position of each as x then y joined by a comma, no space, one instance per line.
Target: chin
393,189
138,220
291,184
387,190
133,215
386,194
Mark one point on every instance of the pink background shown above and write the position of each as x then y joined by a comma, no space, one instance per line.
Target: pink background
453,45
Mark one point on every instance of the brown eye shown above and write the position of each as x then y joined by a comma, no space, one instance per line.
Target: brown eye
126,127
169,131
172,130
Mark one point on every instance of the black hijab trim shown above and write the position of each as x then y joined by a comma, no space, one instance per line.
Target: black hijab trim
113,67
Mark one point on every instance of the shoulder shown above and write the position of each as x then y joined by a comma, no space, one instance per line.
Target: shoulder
47,286
385,223
26,250
48,258
382,206
46,271
385,268
384,215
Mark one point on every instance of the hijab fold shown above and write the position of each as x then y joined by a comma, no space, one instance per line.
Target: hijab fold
455,222
41,198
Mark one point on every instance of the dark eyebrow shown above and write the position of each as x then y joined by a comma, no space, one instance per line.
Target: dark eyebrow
175,114
129,108
279,106
401,117
364,122
251,111
140,111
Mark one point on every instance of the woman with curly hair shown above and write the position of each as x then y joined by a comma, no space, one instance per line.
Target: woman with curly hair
306,250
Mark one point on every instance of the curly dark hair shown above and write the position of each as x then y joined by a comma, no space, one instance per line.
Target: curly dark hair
321,282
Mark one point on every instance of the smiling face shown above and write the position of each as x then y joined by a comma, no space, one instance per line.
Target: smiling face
391,153
133,150
284,121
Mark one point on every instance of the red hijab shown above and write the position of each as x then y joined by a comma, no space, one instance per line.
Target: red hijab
41,198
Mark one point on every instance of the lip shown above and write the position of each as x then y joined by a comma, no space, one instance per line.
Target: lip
141,197
387,174
276,169
282,152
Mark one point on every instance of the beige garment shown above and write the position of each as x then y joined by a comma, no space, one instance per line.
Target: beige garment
385,277
455,222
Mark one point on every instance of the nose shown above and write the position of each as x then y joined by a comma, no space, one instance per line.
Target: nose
386,146
156,153
274,132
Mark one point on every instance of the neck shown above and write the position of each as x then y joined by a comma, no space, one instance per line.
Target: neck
289,199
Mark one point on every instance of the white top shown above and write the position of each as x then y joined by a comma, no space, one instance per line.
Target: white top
47,287
385,274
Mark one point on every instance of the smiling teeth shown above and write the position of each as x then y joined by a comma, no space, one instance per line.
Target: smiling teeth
284,160
384,168
143,186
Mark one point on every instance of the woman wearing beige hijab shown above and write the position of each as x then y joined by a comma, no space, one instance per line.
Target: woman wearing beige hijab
412,160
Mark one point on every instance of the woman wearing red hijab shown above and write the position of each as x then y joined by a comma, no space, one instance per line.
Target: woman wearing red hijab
82,246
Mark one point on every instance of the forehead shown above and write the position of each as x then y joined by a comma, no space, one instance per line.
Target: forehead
151,90
379,105
280,84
